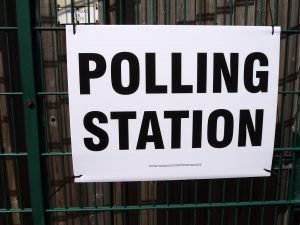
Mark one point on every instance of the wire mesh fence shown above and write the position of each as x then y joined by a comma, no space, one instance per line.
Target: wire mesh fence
270,200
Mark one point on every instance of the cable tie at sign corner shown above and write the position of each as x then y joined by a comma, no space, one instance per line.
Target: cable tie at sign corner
74,28
64,184
271,16
272,172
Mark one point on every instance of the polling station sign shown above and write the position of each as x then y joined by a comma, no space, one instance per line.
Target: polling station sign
172,102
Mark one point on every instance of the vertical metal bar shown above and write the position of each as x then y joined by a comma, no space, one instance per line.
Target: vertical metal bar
12,113
95,200
139,201
169,11
231,12
21,219
3,186
209,201
236,213
223,201
153,185
81,219
42,82
72,11
55,52
286,70
10,82
261,13
167,193
276,13
59,87
89,13
111,201
124,201
20,198
294,187
86,192
137,12
167,202
291,176
264,199
246,12
250,200
278,188
145,12
181,202
121,11
31,116
264,190
195,202
289,215
79,194
4,13
249,220
104,12
153,11
167,217
198,16
56,8
223,190
165,11
275,215
278,183
38,13
262,215
216,12
184,12
222,215
237,198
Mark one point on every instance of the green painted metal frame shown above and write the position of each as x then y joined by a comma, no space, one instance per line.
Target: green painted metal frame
30,109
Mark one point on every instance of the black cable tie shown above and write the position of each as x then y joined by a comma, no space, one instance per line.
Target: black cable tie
74,28
64,184
76,176
271,16
73,17
272,173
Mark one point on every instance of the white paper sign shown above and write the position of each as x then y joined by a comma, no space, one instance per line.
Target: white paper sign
172,102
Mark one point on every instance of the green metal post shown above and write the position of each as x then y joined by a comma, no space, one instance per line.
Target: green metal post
31,117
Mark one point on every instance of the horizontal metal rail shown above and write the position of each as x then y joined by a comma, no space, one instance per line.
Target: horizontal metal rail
8,28
11,93
4,154
296,31
176,206
66,93
13,154
159,206
16,210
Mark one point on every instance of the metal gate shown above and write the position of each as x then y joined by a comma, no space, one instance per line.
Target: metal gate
36,178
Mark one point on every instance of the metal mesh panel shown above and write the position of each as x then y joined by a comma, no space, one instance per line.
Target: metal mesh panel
14,189
270,200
